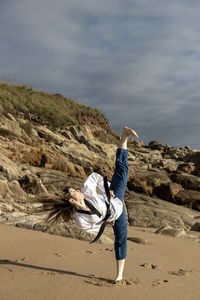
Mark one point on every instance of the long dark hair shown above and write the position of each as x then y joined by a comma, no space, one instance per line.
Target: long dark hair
56,206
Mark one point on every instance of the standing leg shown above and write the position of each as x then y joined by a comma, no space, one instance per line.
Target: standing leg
118,185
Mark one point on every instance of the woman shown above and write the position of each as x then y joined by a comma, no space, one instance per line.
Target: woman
92,209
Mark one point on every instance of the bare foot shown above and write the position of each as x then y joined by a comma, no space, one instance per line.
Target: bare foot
118,278
130,281
121,282
128,131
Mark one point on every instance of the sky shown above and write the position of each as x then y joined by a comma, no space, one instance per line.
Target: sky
138,61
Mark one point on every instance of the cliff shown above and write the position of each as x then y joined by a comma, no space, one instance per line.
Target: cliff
49,142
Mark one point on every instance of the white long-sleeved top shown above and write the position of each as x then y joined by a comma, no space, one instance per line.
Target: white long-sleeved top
92,223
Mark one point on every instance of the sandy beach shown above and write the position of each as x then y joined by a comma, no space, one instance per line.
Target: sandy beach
35,265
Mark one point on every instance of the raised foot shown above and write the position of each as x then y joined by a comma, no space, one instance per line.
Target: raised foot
128,131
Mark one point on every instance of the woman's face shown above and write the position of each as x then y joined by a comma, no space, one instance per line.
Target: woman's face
76,196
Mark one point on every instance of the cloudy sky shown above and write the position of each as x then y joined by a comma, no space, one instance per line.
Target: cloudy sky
138,61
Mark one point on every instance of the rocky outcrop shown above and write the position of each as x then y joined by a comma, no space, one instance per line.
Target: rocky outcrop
187,181
9,169
147,181
163,186
171,231
69,229
148,211
188,198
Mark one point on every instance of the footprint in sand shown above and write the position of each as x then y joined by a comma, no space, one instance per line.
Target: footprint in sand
158,282
181,272
48,273
90,252
138,240
111,283
21,259
106,249
58,254
150,266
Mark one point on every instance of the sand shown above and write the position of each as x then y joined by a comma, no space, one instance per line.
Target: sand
36,265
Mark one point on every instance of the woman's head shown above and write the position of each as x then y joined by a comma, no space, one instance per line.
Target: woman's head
59,207
75,197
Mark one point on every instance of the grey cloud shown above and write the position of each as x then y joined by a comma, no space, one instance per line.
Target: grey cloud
135,60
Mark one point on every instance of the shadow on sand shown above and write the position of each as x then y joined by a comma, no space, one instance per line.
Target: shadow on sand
92,279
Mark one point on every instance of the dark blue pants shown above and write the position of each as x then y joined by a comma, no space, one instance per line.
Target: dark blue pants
118,185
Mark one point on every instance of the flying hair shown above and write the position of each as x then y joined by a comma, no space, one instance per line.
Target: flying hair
57,207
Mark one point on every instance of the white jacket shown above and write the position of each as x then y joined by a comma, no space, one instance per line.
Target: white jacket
89,222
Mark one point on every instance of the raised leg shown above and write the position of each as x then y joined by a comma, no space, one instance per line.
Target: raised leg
118,185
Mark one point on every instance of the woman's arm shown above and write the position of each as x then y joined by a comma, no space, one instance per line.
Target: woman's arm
94,181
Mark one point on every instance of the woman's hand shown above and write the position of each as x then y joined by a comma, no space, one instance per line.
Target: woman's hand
111,223
112,194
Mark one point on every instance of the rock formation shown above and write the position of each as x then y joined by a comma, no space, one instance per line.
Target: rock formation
163,188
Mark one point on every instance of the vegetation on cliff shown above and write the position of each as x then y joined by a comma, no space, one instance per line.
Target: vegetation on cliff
53,110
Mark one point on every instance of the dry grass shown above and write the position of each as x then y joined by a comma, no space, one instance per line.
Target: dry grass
54,110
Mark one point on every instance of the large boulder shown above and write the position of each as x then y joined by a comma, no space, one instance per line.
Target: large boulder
188,198
187,181
170,231
11,216
145,181
167,191
155,145
71,230
147,211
